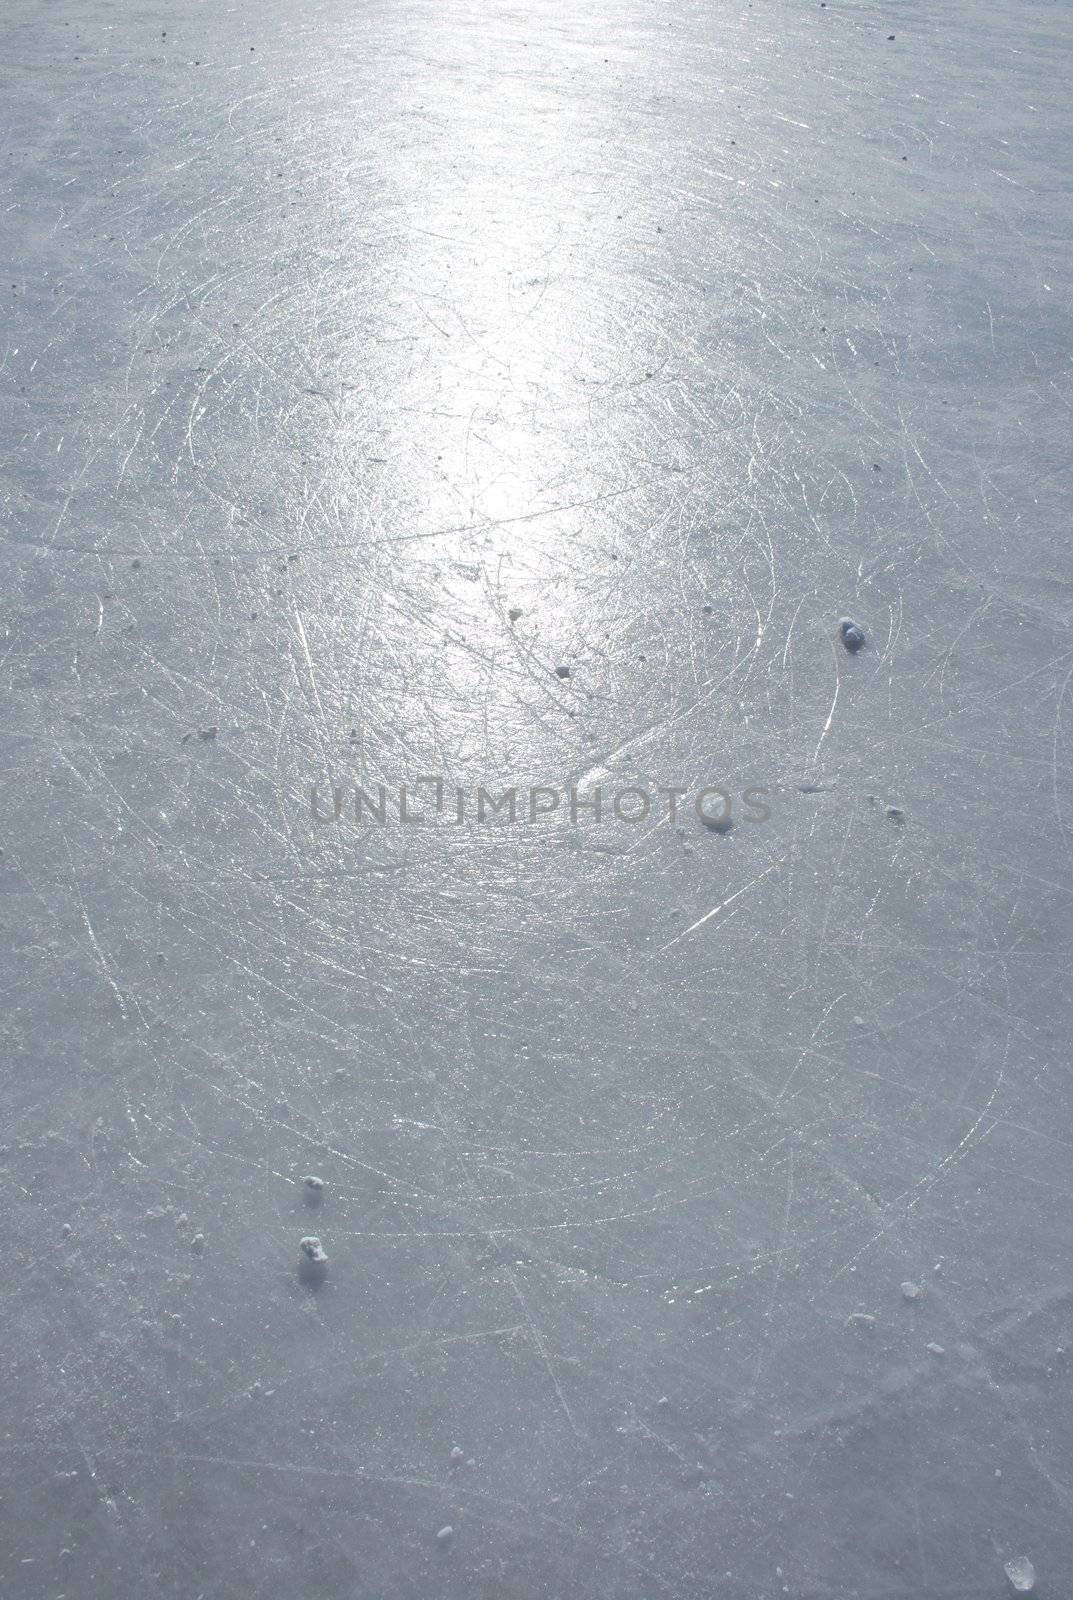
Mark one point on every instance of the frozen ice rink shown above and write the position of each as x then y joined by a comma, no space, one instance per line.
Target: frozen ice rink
452,395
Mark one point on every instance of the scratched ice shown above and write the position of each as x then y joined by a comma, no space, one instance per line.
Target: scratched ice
363,365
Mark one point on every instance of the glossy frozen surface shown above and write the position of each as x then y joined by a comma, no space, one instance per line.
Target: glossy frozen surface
696,1202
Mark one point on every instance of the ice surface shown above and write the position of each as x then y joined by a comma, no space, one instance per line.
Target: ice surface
362,364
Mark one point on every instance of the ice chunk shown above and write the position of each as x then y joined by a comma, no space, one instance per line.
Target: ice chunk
1022,1575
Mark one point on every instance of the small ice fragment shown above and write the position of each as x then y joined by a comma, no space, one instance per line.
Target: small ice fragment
562,672
456,1457
514,613
1022,1575
663,1402
860,1319
852,635
312,1190
197,1244
445,1535
936,1350
912,1291
67,1230
312,1261
205,734
721,823
314,1183
895,814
